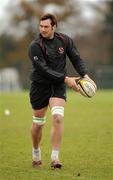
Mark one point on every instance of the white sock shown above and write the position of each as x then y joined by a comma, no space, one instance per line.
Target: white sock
36,153
54,155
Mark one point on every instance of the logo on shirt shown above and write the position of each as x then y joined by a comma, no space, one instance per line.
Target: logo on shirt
61,50
35,58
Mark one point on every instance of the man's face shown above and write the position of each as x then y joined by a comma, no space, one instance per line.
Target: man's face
46,29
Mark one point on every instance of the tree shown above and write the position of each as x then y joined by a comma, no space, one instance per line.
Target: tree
7,45
108,28
23,28
34,9
13,50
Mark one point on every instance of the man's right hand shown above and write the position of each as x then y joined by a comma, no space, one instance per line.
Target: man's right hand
72,82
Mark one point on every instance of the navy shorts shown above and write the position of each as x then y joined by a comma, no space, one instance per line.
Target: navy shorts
41,93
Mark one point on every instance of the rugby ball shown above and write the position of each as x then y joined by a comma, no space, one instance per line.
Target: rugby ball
87,87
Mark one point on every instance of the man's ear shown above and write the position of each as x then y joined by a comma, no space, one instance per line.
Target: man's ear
54,27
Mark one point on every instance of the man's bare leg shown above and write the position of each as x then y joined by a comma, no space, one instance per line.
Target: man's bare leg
36,134
57,108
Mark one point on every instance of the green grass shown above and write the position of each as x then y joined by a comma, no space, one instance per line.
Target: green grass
87,146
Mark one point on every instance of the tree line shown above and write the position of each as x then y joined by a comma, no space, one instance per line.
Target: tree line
96,45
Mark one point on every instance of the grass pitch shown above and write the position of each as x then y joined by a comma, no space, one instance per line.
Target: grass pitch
87,147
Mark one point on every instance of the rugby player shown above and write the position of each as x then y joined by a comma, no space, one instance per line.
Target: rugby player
48,84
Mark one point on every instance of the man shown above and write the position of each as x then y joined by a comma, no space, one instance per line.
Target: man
48,88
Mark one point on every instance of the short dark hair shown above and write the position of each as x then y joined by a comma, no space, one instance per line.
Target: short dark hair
51,17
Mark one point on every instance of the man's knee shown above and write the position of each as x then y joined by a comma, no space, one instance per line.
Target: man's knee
58,119
39,121
58,114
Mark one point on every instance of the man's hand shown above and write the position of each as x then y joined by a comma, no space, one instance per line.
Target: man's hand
87,77
72,82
